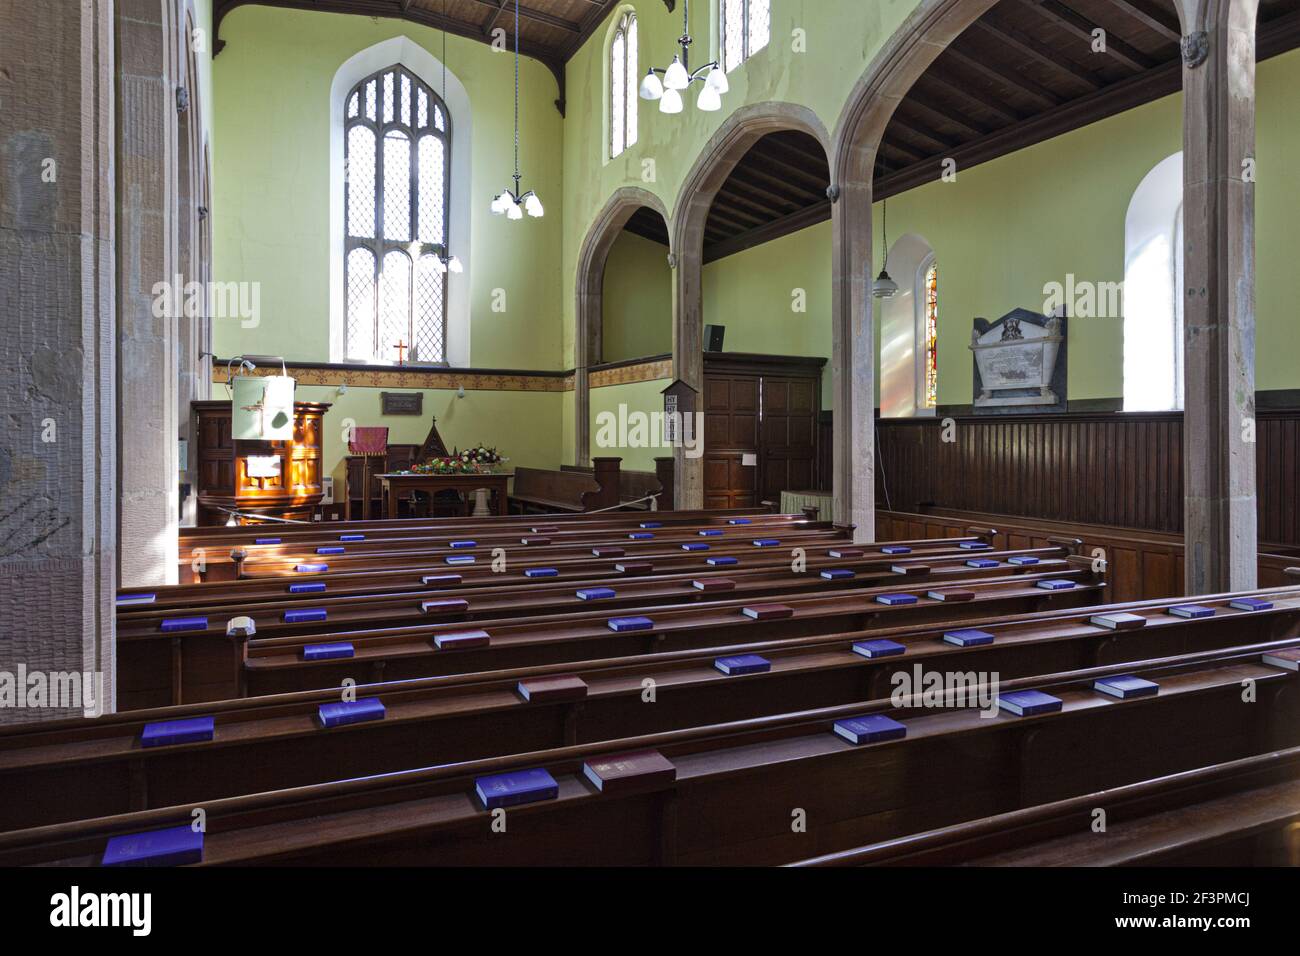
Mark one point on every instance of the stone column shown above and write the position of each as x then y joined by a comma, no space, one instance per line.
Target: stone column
688,359
854,367
58,448
149,344
1219,516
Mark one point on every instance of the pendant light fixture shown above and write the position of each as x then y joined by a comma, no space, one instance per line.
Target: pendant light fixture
679,76
446,261
509,202
884,287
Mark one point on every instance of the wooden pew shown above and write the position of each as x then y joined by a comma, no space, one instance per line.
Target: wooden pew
540,490
276,741
1226,814
738,784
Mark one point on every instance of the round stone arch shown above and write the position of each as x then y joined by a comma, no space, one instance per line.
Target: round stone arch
733,139
592,259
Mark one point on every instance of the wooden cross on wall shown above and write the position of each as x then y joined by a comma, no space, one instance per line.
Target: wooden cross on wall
401,351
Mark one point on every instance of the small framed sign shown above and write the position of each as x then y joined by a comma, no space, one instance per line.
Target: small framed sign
402,403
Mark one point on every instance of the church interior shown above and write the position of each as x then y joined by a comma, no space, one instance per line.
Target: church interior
649,433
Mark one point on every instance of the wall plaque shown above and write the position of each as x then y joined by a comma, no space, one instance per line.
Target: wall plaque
1020,363
402,403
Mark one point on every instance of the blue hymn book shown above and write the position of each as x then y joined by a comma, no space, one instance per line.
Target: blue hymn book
595,594
266,541
695,546
516,788
327,652
304,615
981,563
184,624
541,573
307,587
133,600
709,532
878,648
871,729
1056,584
459,559
837,574
623,624
1027,703
1022,560
331,549
1125,686
1191,610
766,542
891,549
721,562
352,537
893,600
464,544
311,568
974,546
350,712
641,535
1250,604
188,731
743,664
739,521
968,637
651,524
174,846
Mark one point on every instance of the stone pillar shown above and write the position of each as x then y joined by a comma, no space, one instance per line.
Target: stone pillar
58,448
854,367
688,359
1219,516
149,345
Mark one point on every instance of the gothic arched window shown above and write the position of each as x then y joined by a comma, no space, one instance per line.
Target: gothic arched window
745,27
623,80
397,140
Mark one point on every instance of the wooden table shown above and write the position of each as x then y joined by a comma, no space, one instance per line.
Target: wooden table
395,484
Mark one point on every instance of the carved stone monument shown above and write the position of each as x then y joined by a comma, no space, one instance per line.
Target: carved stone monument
1019,363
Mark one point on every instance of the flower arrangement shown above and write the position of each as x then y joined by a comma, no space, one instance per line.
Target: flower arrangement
478,460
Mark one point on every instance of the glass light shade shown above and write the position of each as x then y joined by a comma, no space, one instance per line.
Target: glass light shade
454,265
709,101
884,287
439,265
533,206
651,88
502,203
718,80
514,212
671,102
676,78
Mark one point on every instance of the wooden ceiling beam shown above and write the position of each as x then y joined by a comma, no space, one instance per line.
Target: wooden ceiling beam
734,216
810,164
946,111
1081,27
773,187
970,94
1151,16
528,13
917,131
780,168
810,216
1026,46
1002,74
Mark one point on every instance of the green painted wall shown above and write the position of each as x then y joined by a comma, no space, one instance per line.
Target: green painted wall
637,300
1007,227
642,397
271,205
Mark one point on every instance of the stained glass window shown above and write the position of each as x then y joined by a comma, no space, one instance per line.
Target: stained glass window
623,86
745,28
932,336
397,143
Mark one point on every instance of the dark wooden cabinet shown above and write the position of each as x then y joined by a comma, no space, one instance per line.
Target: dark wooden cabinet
224,479
766,407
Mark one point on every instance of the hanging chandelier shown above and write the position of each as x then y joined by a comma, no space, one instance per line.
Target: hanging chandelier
679,77
510,202
446,261
884,287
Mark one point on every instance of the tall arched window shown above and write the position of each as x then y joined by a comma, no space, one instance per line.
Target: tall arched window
909,332
1153,307
623,78
397,139
745,27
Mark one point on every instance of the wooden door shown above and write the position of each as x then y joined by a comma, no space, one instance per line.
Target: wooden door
730,433
787,435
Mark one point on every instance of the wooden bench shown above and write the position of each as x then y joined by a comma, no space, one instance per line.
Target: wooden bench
536,489
275,741
737,784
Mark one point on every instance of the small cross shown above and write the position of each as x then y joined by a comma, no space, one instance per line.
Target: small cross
401,348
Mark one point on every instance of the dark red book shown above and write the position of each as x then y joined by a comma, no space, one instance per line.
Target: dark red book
845,552
444,606
634,567
541,690
534,541
768,612
622,773
608,552
910,570
545,529
459,640
952,595
713,584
